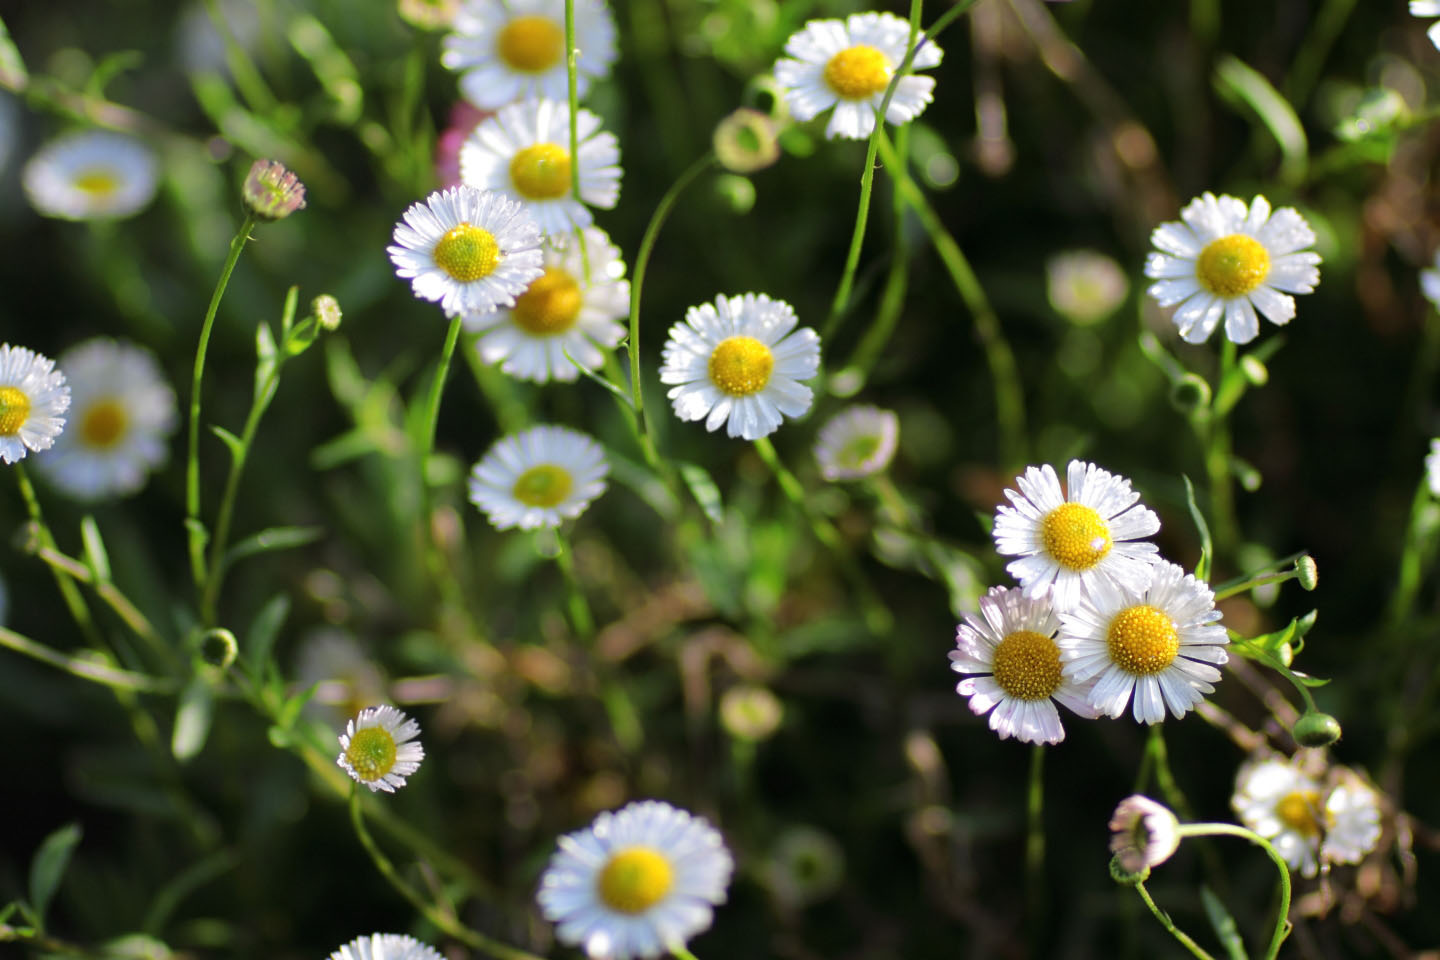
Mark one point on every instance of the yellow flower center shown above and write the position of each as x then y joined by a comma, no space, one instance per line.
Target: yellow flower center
543,486
541,171
550,305
1298,811
97,183
371,753
1142,640
858,72
14,411
635,879
1233,265
1075,536
467,252
741,366
103,423
531,44
1027,665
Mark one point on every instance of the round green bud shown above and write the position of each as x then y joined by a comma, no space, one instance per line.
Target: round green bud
1316,730
1190,394
1307,573
746,141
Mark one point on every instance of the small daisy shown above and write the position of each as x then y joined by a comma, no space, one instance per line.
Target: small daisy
524,152
385,946
121,413
1283,804
562,312
538,478
637,883
1085,286
33,394
858,442
1143,833
1430,279
1161,643
513,50
1069,541
1352,818
1012,643
1432,467
740,360
848,65
91,175
1428,8
471,250
379,749
1227,261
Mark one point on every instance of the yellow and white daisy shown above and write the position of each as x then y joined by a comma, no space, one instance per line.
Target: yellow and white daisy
1143,833
857,442
1070,540
1432,467
471,250
386,946
1225,261
1428,8
91,175
122,412
1012,645
847,64
1352,818
1283,804
637,882
740,360
538,478
524,152
379,749
1162,644
33,394
563,311
511,50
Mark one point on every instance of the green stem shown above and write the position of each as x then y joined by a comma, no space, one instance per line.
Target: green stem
1163,775
247,76
572,88
440,570
580,616
1282,921
679,950
195,530
85,669
1217,463
1265,657
116,600
448,924
1169,925
1252,583
1413,556
892,297
1035,841
68,591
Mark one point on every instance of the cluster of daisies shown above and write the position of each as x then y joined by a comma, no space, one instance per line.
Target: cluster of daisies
638,882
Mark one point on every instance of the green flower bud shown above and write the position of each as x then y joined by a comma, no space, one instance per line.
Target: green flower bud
1316,730
326,311
1306,572
746,141
1190,394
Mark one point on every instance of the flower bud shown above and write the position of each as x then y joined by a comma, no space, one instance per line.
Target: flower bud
1190,394
1143,834
1316,729
326,311
746,141
271,191
1127,878
750,713
1306,572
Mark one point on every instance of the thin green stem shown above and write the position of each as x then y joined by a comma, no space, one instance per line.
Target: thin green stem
1217,463
573,91
247,76
68,591
1282,921
440,569
681,951
892,297
114,598
1414,555
580,617
1165,921
1264,656
1254,582
83,668
1163,775
195,530
1035,840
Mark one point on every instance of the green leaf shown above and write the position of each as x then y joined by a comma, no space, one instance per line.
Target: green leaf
615,390
265,352
285,719
260,638
337,75
48,867
232,442
96,557
272,539
287,312
110,67
192,719
1240,83
703,489
1223,924
1202,568
350,445
13,75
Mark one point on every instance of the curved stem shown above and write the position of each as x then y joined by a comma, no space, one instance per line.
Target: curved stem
580,617
74,602
1282,922
85,669
1169,924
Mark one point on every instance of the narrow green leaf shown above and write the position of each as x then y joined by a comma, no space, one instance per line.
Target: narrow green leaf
615,390
287,312
110,67
291,710
1223,924
96,557
234,443
48,867
703,489
1236,81
192,719
350,445
1202,568
337,75
272,539
13,75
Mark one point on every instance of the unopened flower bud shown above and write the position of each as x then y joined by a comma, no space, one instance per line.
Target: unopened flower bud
1143,834
1306,572
750,713
326,311
746,141
272,192
1316,729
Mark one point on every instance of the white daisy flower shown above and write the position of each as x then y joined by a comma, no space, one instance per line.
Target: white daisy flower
562,311
637,882
513,50
1352,818
524,152
1227,261
1283,804
1068,542
379,749
1161,643
1430,279
33,394
1012,643
471,250
740,360
1143,833
386,946
91,175
538,478
858,442
1428,8
848,65
1432,467
122,412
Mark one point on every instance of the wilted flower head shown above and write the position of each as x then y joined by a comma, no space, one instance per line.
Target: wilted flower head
858,442
1143,833
272,191
746,141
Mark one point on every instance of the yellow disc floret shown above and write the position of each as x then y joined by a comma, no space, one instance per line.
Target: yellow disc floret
371,753
857,73
103,423
634,879
1075,536
541,171
550,305
14,410
1027,665
467,253
1299,810
543,486
97,183
1233,265
741,366
1142,640
531,44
